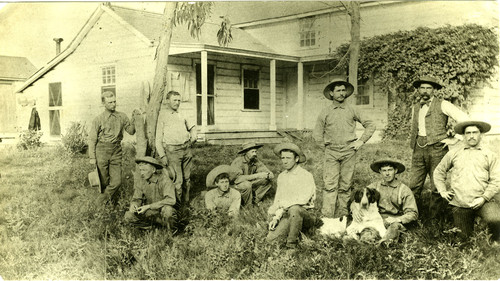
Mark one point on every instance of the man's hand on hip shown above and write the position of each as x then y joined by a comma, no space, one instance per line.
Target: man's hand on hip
164,160
448,195
356,145
477,203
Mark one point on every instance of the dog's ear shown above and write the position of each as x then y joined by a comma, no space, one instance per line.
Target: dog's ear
357,195
375,195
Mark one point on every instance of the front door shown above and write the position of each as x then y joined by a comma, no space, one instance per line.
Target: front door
210,94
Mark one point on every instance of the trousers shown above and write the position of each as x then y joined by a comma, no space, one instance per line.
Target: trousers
109,164
180,158
164,216
338,169
259,186
463,218
298,220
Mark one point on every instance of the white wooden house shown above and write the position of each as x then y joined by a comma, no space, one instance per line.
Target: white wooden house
269,78
13,71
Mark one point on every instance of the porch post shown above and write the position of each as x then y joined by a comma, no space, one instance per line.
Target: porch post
204,91
272,79
300,96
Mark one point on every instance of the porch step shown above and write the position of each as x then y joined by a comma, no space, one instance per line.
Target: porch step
240,137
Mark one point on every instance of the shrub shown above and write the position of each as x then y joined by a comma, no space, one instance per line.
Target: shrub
29,139
75,139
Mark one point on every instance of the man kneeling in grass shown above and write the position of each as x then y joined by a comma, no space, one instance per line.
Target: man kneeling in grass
396,205
224,197
154,195
294,198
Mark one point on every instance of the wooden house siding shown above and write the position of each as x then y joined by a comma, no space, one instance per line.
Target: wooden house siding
8,108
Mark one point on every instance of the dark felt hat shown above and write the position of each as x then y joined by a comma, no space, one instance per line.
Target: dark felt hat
429,80
150,160
249,145
290,146
231,171
375,166
95,181
482,126
338,81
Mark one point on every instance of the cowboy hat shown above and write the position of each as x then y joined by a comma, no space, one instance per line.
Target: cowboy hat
482,126
338,81
152,161
428,80
95,181
375,166
290,146
231,171
249,145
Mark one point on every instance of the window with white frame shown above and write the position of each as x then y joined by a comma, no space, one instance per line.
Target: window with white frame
251,93
108,79
307,32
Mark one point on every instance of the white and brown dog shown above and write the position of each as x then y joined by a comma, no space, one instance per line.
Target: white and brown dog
365,203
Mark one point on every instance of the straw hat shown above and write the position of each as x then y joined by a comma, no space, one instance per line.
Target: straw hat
232,171
249,145
290,146
338,81
95,181
150,160
482,126
375,166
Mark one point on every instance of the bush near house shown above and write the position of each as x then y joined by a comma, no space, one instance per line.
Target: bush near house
463,57
75,139
29,139
51,229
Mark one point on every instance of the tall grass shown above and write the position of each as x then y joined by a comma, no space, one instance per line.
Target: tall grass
50,228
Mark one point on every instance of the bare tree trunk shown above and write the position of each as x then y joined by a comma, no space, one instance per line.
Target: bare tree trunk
353,11
159,82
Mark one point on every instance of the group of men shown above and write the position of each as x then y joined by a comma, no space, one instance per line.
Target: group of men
474,185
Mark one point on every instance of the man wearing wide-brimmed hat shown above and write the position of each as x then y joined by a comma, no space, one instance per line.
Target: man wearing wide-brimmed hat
397,204
429,138
294,200
255,178
336,130
223,197
154,195
475,181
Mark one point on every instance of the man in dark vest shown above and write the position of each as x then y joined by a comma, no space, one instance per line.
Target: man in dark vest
429,138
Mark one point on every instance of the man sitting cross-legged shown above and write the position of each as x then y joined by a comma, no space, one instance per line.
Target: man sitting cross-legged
294,198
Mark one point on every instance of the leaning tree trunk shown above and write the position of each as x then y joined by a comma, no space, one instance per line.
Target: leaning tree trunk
353,11
159,82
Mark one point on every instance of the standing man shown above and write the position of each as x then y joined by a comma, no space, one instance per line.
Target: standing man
154,196
105,148
397,204
336,130
429,138
294,198
255,179
174,137
475,181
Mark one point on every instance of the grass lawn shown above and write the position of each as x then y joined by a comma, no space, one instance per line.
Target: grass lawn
51,229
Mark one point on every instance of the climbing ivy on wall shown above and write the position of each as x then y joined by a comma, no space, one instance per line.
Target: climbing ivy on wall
462,57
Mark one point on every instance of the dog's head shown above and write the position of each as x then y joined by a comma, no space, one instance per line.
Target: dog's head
366,196
369,235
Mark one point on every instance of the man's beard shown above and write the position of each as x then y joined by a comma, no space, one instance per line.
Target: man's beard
252,160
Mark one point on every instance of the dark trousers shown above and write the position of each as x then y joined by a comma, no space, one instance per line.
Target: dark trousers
180,158
109,163
463,218
296,219
164,216
424,161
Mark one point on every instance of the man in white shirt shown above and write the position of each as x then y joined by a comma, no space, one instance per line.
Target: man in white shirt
429,139
294,200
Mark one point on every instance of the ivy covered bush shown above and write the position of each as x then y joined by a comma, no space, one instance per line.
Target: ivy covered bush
75,139
29,139
462,57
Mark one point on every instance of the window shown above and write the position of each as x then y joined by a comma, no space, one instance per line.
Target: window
251,97
363,96
108,79
55,106
307,32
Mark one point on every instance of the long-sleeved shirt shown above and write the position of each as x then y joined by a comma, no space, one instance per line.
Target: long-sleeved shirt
158,191
396,200
295,187
475,173
448,109
108,127
336,125
172,129
229,201
243,165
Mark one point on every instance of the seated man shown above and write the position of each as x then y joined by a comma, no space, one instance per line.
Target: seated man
154,195
254,177
223,197
475,181
397,205
294,198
